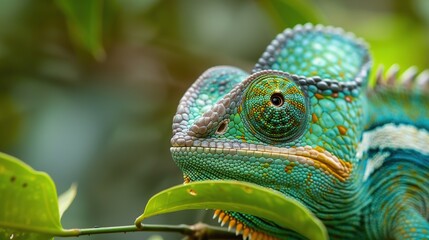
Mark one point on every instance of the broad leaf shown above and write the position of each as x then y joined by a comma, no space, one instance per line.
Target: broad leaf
241,197
28,202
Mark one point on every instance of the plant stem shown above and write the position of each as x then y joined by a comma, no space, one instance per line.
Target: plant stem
189,230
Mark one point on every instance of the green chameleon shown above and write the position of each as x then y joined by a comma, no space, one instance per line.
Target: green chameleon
306,124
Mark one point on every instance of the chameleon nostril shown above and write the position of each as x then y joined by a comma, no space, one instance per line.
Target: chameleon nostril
223,126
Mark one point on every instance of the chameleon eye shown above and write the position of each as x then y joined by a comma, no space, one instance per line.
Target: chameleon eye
275,108
277,99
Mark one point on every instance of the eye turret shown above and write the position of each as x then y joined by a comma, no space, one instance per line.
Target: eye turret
275,108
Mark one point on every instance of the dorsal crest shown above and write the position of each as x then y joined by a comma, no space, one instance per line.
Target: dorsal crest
410,80
399,98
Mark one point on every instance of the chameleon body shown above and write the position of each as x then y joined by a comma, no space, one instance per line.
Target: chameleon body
305,123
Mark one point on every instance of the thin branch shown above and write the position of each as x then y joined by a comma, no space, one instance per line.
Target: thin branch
197,231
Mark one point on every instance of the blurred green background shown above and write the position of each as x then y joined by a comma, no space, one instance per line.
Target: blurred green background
88,88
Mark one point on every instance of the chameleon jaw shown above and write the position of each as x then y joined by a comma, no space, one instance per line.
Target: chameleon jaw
317,156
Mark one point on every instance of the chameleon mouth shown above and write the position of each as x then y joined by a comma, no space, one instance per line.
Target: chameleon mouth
316,157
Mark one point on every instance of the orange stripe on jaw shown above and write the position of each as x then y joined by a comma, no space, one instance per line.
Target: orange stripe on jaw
342,176
315,156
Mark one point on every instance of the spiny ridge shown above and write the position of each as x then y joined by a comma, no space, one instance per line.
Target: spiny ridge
409,80
240,228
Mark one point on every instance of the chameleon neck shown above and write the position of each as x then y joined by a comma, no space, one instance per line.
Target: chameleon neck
395,153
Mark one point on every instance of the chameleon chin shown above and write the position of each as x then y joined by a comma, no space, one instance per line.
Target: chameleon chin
306,123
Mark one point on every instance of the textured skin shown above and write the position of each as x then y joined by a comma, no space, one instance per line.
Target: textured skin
305,123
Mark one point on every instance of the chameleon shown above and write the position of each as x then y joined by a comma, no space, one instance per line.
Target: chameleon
312,122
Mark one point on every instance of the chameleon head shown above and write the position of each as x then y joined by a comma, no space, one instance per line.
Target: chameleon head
289,132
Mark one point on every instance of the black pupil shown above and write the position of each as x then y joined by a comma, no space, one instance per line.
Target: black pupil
277,99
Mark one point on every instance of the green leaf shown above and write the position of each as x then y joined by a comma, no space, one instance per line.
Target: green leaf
240,197
84,20
28,203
